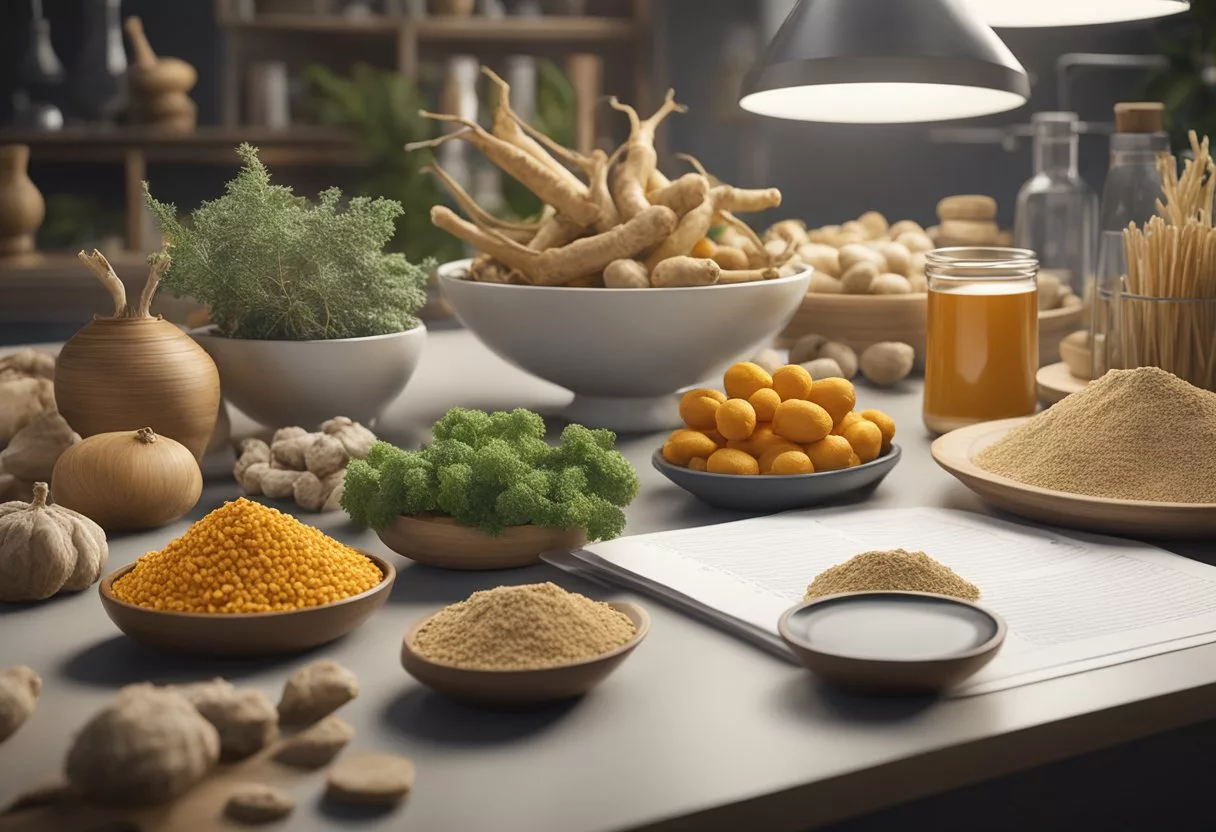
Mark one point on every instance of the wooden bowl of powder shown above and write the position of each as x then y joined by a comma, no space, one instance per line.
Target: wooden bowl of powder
522,646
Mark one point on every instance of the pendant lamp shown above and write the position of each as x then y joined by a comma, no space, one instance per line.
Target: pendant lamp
884,61
1027,13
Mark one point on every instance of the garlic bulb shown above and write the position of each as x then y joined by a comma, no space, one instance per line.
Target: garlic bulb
45,549
128,480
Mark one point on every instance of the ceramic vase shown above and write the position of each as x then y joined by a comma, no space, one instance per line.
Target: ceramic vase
21,205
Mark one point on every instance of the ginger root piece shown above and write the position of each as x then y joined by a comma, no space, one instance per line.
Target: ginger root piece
509,127
20,688
626,274
539,178
290,452
887,363
32,454
316,745
685,271
316,690
683,195
356,439
23,398
148,746
632,175
520,232
252,450
257,803
245,720
555,267
325,456
278,483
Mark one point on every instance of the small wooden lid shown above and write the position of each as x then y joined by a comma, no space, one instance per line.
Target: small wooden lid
1140,117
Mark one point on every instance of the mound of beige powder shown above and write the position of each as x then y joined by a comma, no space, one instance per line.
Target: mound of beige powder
1141,434
896,570
522,628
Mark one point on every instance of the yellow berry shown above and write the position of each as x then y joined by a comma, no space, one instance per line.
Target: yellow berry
693,395
885,424
700,413
792,462
730,461
736,419
848,419
686,444
764,401
801,422
775,450
831,453
866,439
745,378
670,454
792,382
697,463
835,395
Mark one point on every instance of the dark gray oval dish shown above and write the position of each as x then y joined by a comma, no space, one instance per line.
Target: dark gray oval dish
892,643
776,493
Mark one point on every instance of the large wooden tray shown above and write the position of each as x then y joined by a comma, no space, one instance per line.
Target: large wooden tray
1132,518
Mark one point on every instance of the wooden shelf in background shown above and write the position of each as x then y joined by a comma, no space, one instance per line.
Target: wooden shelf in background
299,145
474,29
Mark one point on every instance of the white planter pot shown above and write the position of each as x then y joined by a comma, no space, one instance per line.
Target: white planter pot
282,383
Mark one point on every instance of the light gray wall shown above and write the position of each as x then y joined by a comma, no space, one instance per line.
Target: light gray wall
830,173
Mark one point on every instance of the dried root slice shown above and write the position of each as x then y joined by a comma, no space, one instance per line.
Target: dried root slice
555,267
632,175
555,232
370,778
541,180
692,228
746,200
685,271
315,691
316,745
257,803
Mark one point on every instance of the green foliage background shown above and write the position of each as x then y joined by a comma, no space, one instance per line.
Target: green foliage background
1190,99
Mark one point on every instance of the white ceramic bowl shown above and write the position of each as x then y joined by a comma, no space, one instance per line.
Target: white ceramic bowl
281,383
623,352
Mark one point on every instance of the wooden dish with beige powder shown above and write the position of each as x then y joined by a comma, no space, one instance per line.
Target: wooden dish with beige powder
522,645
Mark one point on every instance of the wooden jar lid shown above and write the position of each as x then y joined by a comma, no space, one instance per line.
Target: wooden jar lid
1140,117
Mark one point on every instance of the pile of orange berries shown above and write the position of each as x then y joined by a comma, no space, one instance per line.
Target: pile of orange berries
783,423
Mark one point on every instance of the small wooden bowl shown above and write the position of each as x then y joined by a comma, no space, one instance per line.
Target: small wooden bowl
1140,519
521,688
771,493
245,634
1056,382
862,320
894,653
441,542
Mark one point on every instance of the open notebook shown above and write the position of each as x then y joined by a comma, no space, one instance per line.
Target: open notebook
1072,602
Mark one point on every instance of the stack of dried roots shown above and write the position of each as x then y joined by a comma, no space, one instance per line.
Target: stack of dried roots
610,220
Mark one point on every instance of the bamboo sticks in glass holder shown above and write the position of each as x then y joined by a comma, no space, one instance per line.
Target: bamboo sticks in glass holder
1164,309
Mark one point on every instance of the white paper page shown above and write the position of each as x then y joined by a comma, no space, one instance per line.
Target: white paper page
1071,603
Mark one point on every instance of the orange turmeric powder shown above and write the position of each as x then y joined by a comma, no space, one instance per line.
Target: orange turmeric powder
245,557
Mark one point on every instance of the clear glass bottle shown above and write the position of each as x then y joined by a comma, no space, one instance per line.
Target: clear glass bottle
1057,213
1133,186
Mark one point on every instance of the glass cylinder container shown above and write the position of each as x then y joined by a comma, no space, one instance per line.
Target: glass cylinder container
1133,186
983,338
1057,213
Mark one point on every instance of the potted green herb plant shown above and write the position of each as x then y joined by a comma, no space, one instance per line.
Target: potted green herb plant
490,493
310,316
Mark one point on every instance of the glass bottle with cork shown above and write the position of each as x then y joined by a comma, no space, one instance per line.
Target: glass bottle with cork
1057,212
1133,186
983,336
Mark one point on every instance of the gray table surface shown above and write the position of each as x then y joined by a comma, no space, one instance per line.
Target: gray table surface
696,731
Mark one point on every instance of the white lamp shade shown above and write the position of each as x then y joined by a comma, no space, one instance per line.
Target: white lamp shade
884,61
1035,13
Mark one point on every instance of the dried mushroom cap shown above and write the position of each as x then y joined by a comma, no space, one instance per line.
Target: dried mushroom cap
19,690
370,778
246,720
316,690
147,747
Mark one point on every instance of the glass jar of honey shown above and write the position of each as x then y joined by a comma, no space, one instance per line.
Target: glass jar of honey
983,338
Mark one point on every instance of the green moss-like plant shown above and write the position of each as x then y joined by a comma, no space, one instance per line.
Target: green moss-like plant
271,265
494,470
